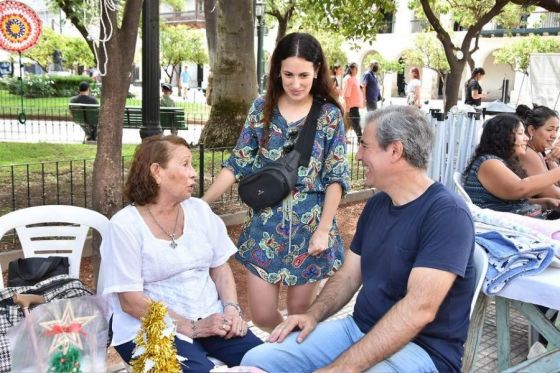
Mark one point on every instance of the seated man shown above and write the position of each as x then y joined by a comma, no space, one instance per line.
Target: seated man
84,97
412,255
166,100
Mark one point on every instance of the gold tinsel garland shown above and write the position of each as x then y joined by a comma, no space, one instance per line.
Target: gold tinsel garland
155,349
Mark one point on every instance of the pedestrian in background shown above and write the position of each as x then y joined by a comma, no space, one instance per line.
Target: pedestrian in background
473,90
353,99
413,94
296,242
370,87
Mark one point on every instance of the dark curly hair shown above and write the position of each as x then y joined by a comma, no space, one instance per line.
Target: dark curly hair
140,187
498,138
535,117
305,46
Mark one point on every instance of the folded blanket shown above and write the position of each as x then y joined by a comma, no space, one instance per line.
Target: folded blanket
511,255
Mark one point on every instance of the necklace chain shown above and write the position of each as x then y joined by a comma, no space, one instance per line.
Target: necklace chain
171,235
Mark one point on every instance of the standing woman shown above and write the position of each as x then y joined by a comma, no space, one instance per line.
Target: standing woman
413,95
473,90
296,242
354,99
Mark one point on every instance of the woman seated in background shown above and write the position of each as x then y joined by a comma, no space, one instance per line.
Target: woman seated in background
170,247
541,126
494,178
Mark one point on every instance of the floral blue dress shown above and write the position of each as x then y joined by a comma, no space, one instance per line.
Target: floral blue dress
274,241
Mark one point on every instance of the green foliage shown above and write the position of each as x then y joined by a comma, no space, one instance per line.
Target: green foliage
182,44
48,85
332,47
43,50
427,53
385,65
518,54
353,19
74,50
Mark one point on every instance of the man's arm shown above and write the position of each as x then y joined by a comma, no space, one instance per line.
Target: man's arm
338,290
427,288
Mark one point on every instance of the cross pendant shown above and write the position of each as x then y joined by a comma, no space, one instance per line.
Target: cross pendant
173,244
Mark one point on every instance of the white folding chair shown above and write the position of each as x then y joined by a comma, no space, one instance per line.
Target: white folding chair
480,259
457,179
54,230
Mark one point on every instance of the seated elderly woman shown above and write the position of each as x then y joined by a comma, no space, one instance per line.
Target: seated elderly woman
541,126
494,178
170,247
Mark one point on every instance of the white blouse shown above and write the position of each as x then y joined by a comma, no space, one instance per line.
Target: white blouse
134,260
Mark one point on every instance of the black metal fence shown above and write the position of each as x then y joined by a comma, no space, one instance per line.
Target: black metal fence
70,182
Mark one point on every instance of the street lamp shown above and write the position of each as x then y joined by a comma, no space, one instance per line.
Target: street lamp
259,12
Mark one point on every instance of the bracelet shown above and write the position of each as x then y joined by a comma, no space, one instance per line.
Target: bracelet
234,305
193,327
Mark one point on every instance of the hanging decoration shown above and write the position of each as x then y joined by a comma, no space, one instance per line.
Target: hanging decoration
20,29
99,28
155,350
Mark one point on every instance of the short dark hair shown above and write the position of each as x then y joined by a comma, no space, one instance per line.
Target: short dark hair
535,117
83,86
478,70
140,187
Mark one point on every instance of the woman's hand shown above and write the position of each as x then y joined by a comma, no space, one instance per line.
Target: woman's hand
238,325
319,242
215,324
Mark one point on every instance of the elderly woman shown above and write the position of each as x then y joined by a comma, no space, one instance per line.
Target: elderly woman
494,178
170,247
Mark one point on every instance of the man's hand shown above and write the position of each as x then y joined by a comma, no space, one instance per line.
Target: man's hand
306,323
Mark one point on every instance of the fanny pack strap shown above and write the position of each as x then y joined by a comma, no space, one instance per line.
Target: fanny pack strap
304,143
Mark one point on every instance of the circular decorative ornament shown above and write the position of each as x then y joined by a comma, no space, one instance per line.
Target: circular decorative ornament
20,27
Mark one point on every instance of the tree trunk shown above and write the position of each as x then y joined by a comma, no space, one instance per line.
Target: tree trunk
282,27
107,179
234,73
210,17
452,84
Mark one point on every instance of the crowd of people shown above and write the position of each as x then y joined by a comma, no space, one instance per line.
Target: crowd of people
410,260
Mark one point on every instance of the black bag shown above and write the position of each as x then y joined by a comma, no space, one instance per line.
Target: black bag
271,184
29,271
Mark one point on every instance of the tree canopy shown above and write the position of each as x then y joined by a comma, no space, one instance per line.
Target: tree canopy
181,44
518,54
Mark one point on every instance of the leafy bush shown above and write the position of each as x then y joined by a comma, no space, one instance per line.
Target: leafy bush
48,85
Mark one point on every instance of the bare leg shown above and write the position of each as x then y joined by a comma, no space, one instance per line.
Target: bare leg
300,297
263,301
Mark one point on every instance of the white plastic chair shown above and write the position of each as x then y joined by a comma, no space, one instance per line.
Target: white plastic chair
54,230
457,179
480,258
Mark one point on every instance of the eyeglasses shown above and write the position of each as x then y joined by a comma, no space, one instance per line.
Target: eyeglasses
290,143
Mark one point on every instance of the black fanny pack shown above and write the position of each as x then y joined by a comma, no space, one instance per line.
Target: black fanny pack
271,184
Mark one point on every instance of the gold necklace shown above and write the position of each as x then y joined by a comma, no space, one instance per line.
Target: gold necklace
171,235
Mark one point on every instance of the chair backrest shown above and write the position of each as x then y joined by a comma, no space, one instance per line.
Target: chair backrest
480,259
54,230
457,179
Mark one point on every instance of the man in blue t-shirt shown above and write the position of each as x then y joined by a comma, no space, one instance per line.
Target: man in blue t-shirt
370,87
411,256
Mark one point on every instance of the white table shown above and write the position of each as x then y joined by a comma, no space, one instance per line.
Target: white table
525,293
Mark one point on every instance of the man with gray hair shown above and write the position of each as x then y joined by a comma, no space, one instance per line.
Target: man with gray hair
411,256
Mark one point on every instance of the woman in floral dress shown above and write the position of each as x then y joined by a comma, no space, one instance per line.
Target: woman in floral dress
295,243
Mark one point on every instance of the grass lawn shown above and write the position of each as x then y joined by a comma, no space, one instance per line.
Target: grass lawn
57,104
20,153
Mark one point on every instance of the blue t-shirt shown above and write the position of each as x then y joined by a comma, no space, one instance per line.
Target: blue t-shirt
433,231
369,81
